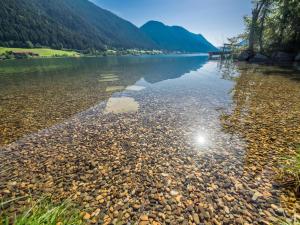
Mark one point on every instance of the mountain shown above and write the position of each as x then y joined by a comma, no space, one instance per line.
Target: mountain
71,24
175,38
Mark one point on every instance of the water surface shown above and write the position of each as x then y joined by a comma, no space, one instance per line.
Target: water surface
35,94
178,138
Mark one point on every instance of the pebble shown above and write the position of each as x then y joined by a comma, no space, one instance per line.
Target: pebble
168,208
196,218
144,218
229,198
87,216
277,209
174,193
216,222
96,212
256,195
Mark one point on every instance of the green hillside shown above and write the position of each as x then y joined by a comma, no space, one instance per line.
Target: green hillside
175,38
69,24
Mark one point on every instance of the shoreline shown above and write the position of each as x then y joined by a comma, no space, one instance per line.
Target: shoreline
25,53
78,54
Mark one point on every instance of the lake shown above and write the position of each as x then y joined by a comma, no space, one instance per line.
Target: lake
178,138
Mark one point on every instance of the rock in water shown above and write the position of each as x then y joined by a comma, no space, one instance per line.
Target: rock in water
297,58
282,57
259,58
245,55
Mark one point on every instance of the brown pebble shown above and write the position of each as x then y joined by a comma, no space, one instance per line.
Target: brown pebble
87,216
144,218
196,218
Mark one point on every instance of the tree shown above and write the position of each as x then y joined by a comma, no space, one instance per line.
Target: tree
274,25
259,5
29,44
264,12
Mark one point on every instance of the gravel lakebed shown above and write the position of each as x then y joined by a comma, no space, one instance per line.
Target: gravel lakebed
173,158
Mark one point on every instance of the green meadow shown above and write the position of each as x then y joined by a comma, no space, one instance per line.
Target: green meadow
43,52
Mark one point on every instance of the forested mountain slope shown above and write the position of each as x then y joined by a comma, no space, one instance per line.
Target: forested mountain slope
71,24
175,38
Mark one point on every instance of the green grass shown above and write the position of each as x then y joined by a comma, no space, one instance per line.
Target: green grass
44,212
290,169
284,221
43,52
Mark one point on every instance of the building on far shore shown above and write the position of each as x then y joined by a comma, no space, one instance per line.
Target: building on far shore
23,54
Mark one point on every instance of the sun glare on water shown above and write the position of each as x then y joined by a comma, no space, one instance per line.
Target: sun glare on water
201,139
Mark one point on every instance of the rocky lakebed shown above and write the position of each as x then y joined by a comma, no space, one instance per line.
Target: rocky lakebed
151,140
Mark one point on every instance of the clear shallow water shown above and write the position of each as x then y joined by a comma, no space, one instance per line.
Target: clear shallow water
39,93
145,133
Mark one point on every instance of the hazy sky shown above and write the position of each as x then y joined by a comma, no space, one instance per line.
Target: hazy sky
215,19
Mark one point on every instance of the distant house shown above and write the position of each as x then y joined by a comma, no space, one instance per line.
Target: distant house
23,54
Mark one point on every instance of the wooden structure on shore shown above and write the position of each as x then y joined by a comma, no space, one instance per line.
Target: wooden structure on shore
23,54
226,50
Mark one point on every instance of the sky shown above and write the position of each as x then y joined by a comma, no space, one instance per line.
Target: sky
215,19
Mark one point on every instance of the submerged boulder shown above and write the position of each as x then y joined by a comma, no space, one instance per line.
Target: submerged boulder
282,57
297,58
245,55
259,58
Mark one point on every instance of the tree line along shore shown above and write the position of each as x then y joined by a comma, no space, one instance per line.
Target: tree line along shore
21,53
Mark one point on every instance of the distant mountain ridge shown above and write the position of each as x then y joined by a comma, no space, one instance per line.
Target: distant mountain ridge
72,24
176,38
83,25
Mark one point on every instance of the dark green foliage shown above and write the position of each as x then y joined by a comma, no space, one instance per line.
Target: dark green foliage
284,25
274,26
69,24
176,38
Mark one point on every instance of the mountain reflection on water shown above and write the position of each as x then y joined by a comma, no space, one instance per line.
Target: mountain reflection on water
35,94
